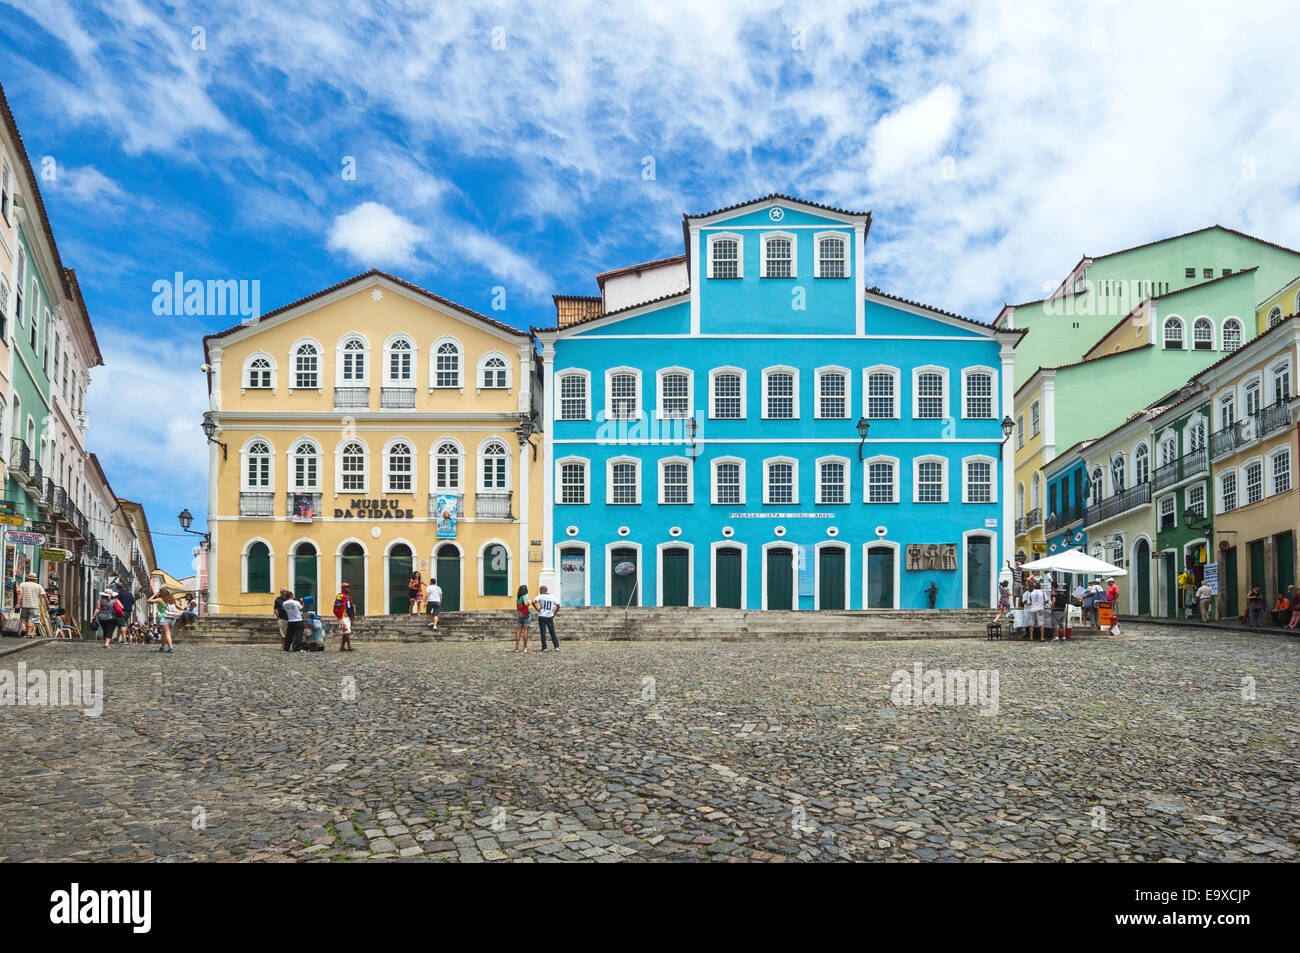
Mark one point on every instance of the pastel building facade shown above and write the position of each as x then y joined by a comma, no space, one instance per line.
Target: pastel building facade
706,445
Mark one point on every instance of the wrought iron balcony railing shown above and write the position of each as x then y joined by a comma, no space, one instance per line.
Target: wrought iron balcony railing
1184,468
354,397
1117,503
1248,429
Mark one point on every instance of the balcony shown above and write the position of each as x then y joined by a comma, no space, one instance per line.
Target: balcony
315,503
22,465
1035,516
1022,525
1120,502
1056,521
49,492
433,503
1184,468
492,506
395,398
1250,428
357,398
256,503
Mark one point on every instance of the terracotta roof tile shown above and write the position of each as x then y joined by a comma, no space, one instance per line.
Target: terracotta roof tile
644,266
769,197
573,309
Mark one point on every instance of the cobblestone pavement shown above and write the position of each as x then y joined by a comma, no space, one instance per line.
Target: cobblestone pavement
1145,747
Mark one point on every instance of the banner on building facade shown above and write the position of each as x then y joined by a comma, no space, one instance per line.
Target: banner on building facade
11,520
304,508
446,518
1211,577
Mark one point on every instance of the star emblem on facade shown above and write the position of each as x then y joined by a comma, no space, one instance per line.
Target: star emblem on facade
377,294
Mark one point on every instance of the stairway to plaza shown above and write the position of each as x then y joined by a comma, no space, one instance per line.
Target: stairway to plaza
645,623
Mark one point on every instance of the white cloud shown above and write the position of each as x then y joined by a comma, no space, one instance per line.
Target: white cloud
915,132
87,186
374,235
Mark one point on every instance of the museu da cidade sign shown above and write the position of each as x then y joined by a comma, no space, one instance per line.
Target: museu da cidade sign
373,510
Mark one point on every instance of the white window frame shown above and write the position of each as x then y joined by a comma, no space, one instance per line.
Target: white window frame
1020,431
660,375
847,239
896,375
946,413
1218,490
916,478
713,480
481,456
714,373
764,238
781,369
364,380
1133,464
1035,420
387,467
245,384
292,457
690,480
481,367
458,488
1274,371
794,481
848,481
1214,333
1243,392
1270,458
1201,510
292,367
388,379
559,480
966,374
740,252
1243,493
609,397
1274,317
866,479
1223,399
460,364
609,480
559,393
818,375
338,467
244,453
993,478
1235,323
1182,333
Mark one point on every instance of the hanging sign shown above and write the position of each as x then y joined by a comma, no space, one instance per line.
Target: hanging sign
54,555
11,520
24,539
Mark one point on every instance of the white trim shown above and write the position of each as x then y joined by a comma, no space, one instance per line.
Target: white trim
1269,489
365,570
991,536
794,571
293,574
1223,333
244,485
364,380
460,566
609,479
794,481
848,480
866,479
1132,573
764,238
818,375
291,370
1182,331
744,571
866,570
386,374
243,565
1214,334
946,412
916,480
897,376
690,480
609,570
245,384
559,481
713,480
557,399
481,366
512,584
387,470
338,467
386,557
781,369
479,459
640,394
740,253
460,364
843,236
690,569
744,392
993,478
291,468
660,374
586,573
817,571
459,487
995,410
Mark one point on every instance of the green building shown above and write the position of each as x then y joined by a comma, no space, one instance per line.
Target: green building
1181,495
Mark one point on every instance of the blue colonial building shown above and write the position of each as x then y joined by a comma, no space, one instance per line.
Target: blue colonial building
704,421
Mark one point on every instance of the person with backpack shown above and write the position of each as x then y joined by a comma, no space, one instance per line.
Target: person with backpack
167,612
523,617
345,610
126,598
108,613
1255,607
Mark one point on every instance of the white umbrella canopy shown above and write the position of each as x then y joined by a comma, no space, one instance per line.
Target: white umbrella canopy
1075,561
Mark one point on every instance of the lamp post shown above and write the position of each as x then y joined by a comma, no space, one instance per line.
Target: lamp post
187,520
210,431
1008,425
692,428
864,426
527,427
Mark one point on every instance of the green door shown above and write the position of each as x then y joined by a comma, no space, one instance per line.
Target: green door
354,574
780,578
880,577
623,590
304,573
979,553
448,576
726,577
259,568
1284,548
1171,585
1257,577
1142,565
399,574
830,567
496,571
677,576
1228,584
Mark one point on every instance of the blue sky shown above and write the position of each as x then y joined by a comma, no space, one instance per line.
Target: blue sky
505,145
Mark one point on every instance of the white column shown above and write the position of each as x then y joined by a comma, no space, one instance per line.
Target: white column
697,281
525,457
1008,460
213,463
549,573
859,283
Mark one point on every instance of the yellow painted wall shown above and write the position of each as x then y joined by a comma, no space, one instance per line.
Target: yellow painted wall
1028,461
1287,299
469,414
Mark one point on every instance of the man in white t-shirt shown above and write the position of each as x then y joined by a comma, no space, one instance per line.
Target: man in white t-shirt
433,601
1036,606
547,606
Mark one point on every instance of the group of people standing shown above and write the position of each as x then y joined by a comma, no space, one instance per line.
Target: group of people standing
112,616
1046,603
426,597
546,606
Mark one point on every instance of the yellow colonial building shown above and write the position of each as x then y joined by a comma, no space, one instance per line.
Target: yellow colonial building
1280,304
1035,443
366,431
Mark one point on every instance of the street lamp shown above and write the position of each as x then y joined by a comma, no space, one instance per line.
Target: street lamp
527,427
210,431
692,428
864,426
187,520
1008,425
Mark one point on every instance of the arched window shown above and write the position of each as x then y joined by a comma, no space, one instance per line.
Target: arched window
1141,465
832,261
257,568
1196,436
446,468
1117,472
1231,334
1173,334
259,373
1280,374
1275,317
1020,499
399,476
1095,487
352,473
399,367
495,374
257,466
306,366
446,368
494,467
1203,335
353,364
1035,493
1168,450
724,257
306,466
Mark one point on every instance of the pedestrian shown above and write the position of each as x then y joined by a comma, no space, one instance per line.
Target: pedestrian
125,596
293,612
1036,606
167,613
1004,600
1294,595
547,606
281,620
1060,605
1255,607
1204,598
1281,609
31,596
345,610
1090,615
433,601
1112,596
108,612
413,591
523,617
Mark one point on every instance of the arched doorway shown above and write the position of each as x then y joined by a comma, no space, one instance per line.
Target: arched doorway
447,572
1142,567
676,580
305,584
573,576
352,570
399,574
979,572
780,577
623,575
880,577
727,573
830,577
496,570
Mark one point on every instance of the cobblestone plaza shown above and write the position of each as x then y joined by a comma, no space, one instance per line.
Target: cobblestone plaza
1161,744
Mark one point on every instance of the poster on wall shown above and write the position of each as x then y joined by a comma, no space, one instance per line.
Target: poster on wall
446,516
304,510
1211,577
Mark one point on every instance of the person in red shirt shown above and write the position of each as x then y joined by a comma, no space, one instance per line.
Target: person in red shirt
1112,596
